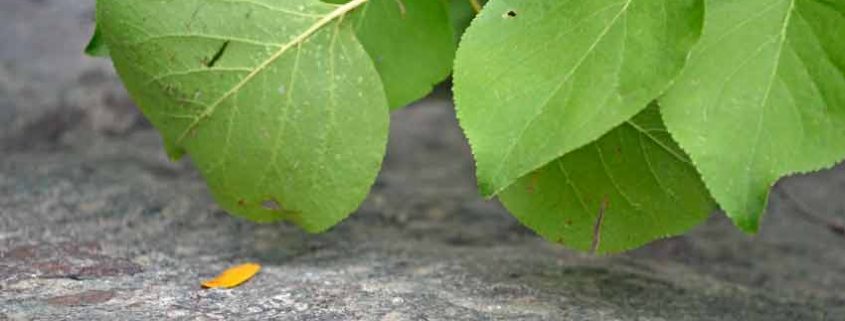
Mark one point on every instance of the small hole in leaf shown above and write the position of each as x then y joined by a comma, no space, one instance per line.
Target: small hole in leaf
271,205
510,14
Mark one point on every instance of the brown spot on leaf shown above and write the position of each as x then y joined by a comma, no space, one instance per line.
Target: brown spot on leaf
532,186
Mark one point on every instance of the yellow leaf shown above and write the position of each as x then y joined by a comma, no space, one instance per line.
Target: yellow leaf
233,276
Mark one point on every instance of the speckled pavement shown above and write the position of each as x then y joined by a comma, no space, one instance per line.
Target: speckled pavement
96,224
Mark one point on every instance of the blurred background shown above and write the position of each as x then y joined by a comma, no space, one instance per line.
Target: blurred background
97,224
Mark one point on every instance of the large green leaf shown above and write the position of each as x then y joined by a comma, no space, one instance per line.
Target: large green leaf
762,97
411,43
536,79
276,102
630,187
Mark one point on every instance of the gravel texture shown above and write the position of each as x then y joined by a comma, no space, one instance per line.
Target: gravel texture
96,224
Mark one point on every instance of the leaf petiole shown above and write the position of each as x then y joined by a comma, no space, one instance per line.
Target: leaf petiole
475,5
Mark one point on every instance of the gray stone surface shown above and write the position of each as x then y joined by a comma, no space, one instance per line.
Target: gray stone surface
96,224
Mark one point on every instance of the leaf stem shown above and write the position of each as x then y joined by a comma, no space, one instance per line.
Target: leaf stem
475,5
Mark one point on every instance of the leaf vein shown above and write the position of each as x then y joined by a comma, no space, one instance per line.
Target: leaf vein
301,38
565,80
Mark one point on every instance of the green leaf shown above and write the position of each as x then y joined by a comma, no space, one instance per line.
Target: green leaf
409,40
276,102
96,46
536,79
763,97
411,43
630,187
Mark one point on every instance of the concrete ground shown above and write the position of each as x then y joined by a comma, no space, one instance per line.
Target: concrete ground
96,224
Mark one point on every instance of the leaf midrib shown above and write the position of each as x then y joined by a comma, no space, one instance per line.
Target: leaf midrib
339,12
642,131
767,95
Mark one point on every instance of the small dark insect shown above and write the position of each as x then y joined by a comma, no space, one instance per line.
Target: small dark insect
218,54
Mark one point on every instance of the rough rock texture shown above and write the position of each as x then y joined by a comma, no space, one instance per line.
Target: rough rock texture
96,224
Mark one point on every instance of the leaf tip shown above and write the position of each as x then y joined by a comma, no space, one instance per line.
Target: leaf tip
748,224
174,152
486,189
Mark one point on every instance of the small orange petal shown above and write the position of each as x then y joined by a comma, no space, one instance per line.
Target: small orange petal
233,276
